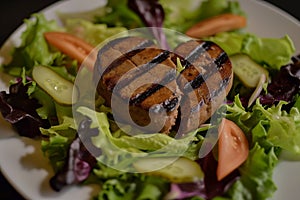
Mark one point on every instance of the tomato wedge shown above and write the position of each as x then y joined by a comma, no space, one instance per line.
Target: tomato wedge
72,46
233,148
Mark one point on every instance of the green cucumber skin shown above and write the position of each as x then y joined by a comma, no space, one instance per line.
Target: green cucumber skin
60,89
247,70
178,170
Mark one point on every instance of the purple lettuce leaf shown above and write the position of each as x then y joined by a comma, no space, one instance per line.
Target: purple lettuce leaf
214,187
20,110
187,190
209,187
79,163
285,85
152,14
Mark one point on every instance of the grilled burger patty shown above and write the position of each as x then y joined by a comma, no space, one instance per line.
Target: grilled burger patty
204,82
133,73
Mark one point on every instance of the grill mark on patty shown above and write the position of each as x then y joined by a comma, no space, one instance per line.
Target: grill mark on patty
198,51
169,105
215,66
138,48
141,97
223,84
143,68
143,45
113,43
155,88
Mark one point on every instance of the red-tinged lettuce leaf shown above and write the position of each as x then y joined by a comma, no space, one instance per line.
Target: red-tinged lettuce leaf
187,190
213,187
208,188
285,85
77,168
79,162
20,110
256,176
152,14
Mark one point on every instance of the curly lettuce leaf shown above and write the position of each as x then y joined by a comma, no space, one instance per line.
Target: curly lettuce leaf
270,127
19,109
283,129
210,8
72,162
47,109
256,177
156,143
117,13
192,11
280,50
34,49
134,186
90,32
57,141
285,85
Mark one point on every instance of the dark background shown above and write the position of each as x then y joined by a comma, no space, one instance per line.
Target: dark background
11,17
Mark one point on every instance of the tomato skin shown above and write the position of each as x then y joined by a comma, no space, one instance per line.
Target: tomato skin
233,148
72,46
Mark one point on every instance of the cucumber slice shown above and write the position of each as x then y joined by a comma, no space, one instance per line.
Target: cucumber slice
247,70
56,86
177,170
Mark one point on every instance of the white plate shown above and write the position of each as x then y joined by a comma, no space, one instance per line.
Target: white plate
21,159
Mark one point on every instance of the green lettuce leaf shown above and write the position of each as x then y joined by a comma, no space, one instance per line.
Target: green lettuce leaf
280,50
117,13
134,186
57,141
47,109
90,32
270,127
256,176
230,42
210,8
271,51
120,150
34,49
192,11
283,129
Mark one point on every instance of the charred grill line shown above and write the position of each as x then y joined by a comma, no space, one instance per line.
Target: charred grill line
119,61
214,67
138,48
170,104
143,45
140,98
106,47
144,68
222,87
197,107
224,83
199,50
222,58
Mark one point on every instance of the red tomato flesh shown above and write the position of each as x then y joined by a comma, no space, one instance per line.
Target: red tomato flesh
72,46
233,148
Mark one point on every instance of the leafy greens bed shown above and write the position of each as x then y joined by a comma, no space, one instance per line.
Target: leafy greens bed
270,122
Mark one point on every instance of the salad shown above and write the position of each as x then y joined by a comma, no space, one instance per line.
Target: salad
261,110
